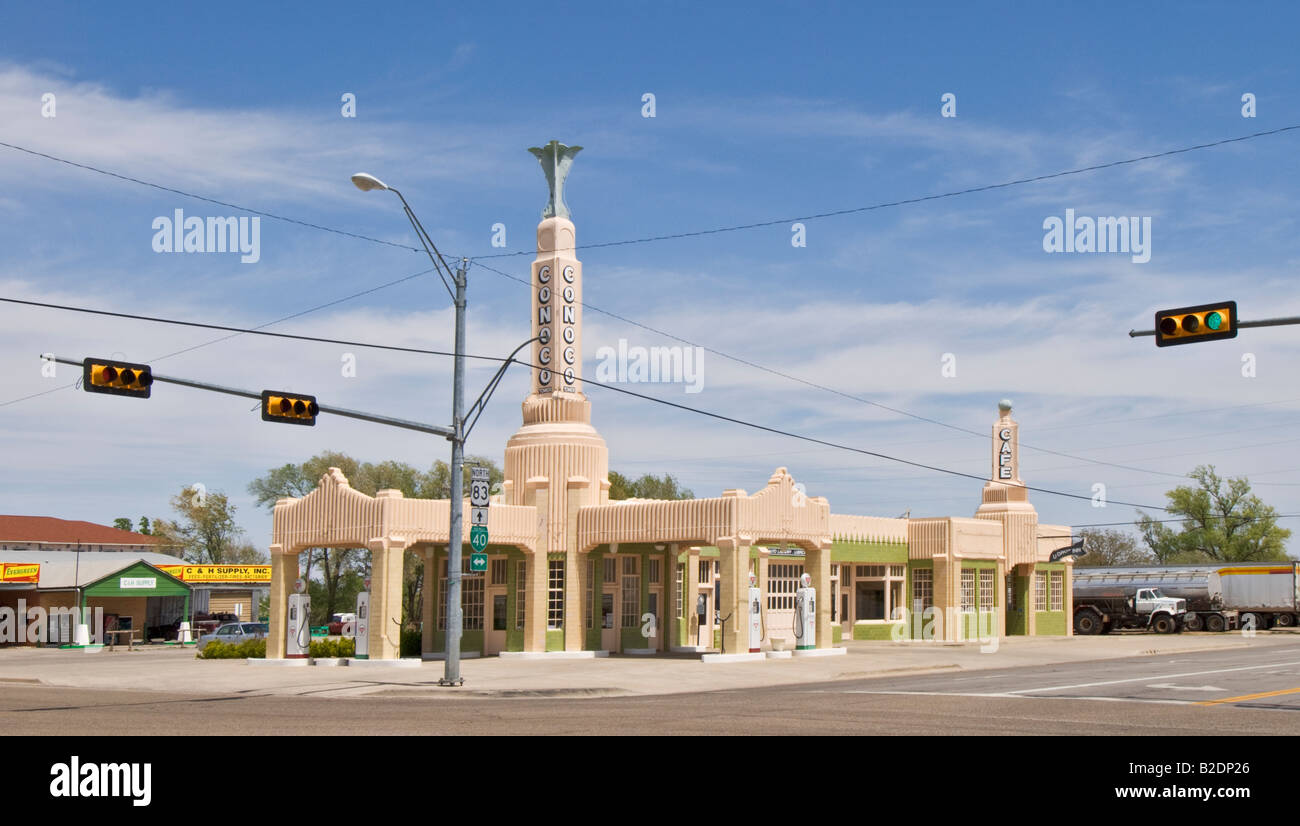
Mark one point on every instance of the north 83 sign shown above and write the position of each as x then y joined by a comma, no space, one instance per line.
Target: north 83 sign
479,487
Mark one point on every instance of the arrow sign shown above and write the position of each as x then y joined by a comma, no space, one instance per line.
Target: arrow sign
477,563
478,516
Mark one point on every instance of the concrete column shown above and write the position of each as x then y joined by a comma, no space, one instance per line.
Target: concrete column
733,568
386,597
535,588
1068,596
284,572
817,564
429,601
578,490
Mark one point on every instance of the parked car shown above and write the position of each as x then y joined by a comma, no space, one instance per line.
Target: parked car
235,633
338,621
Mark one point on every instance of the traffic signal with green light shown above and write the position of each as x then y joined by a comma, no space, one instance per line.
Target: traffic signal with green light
1204,322
290,408
120,378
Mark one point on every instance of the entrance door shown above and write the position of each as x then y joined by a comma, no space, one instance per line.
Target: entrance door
609,603
782,582
704,616
497,621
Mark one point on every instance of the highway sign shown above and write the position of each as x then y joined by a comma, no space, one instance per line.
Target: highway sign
477,563
478,516
477,472
478,537
478,493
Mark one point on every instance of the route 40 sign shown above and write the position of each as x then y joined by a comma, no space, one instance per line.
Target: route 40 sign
478,537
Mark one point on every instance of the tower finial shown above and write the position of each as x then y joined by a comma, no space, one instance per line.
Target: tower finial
556,158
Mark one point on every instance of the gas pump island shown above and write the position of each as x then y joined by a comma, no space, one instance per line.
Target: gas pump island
560,569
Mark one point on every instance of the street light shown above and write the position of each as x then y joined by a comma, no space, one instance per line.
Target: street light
451,672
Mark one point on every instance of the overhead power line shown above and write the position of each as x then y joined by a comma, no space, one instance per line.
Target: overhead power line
832,390
206,199
921,199
625,391
233,335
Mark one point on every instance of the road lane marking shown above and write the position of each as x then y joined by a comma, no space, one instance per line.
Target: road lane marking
1021,697
1187,687
1149,677
1245,697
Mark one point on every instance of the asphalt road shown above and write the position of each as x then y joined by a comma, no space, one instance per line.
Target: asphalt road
1212,692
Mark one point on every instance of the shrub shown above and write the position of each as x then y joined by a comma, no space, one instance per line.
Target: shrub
248,649
332,648
412,642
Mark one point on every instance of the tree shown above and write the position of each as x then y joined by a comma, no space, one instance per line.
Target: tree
437,482
144,526
1222,521
122,523
646,487
206,531
1112,548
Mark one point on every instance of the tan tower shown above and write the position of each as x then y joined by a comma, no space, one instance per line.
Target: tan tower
1006,500
557,460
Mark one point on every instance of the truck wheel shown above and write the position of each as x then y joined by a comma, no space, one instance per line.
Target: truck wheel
1254,621
1164,624
1215,622
1193,622
1087,623
1284,620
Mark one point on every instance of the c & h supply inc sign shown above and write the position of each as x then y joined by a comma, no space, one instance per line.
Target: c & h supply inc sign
20,572
218,573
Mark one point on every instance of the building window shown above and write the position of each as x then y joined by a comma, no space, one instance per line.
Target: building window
877,591
782,582
679,586
631,587
499,568
611,570
706,572
986,589
654,573
923,588
471,602
1040,590
1058,591
521,593
555,595
968,589
471,598
1011,593
591,588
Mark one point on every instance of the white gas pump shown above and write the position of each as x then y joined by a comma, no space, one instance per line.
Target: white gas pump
363,626
298,629
805,614
755,615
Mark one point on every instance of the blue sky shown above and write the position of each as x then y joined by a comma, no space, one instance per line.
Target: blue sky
762,112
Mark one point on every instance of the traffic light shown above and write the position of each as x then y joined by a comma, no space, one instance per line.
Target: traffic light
290,408
120,378
1204,322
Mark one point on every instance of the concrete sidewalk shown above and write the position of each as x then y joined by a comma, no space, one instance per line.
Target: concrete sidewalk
176,670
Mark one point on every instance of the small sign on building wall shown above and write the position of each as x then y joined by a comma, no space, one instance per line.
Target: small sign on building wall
146,582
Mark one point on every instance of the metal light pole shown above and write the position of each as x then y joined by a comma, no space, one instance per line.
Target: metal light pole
451,673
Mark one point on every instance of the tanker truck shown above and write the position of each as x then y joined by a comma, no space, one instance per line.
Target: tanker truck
1162,600
1261,594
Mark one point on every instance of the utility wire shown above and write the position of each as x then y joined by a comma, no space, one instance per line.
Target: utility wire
197,197
921,199
842,394
1190,519
508,360
252,331
260,327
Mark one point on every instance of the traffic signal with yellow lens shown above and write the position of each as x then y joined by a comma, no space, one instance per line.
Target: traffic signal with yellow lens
120,378
290,408
1204,322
